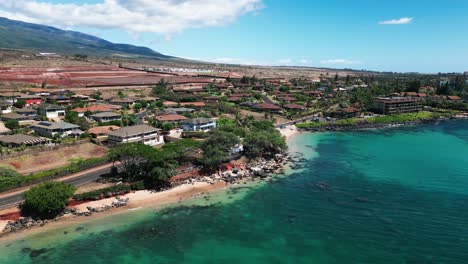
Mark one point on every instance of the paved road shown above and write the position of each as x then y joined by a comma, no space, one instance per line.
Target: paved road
9,201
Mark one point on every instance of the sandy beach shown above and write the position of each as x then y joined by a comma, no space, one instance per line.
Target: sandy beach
289,131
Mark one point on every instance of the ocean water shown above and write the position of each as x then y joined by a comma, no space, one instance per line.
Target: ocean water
378,196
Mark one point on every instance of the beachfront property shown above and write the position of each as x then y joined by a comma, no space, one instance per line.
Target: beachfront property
144,134
106,117
198,124
50,129
396,105
51,111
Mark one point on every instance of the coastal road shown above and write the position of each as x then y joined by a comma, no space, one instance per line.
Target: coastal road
13,198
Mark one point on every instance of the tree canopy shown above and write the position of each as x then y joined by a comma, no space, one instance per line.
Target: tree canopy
46,200
217,148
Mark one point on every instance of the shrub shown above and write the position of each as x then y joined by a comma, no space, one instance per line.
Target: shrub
46,200
102,193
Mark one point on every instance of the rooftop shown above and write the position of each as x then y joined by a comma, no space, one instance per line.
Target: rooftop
198,121
170,117
102,130
133,131
55,125
106,114
13,116
21,139
97,108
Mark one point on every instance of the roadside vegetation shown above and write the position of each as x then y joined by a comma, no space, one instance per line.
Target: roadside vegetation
46,200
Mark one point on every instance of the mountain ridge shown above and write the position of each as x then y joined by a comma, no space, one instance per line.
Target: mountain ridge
42,38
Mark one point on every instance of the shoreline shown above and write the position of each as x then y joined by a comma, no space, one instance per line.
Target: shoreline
188,190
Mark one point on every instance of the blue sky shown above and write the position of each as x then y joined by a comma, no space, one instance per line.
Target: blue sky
431,37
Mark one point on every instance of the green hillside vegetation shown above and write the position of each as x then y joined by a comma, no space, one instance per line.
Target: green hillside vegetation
40,38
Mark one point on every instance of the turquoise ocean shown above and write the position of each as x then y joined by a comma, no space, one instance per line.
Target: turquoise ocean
395,195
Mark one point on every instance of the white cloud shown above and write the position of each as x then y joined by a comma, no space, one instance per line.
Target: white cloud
285,61
304,61
339,62
156,16
401,21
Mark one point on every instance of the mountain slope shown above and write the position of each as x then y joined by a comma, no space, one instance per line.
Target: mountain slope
21,35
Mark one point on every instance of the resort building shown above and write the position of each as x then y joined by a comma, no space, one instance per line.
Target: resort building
198,124
395,105
144,134
51,111
50,129
106,117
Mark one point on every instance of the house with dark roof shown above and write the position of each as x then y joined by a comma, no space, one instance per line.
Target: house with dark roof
21,140
144,134
106,117
51,111
124,102
268,107
180,110
22,120
294,107
198,124
29,112
50,129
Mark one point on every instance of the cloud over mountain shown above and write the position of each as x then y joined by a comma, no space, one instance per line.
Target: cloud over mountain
156,16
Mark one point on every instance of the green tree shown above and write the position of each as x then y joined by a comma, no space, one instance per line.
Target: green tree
217,147
12,124
414,86
20,103
263,144
167,127
9,177
46,200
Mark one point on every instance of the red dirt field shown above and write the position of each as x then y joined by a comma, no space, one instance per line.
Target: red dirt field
96,76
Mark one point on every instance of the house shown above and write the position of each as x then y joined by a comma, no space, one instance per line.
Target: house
180,110
294,107
22,120
21,140
39,91
144,134
395,105
29,112
59,99
51,111
124,102
105,117
97,108
453,98
102,132
170,118
347,112
193,104
5,106
170,104
198,124
50,129
30,99
268,107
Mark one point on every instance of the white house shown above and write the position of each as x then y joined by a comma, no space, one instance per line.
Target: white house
51,111
145,134
198,124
